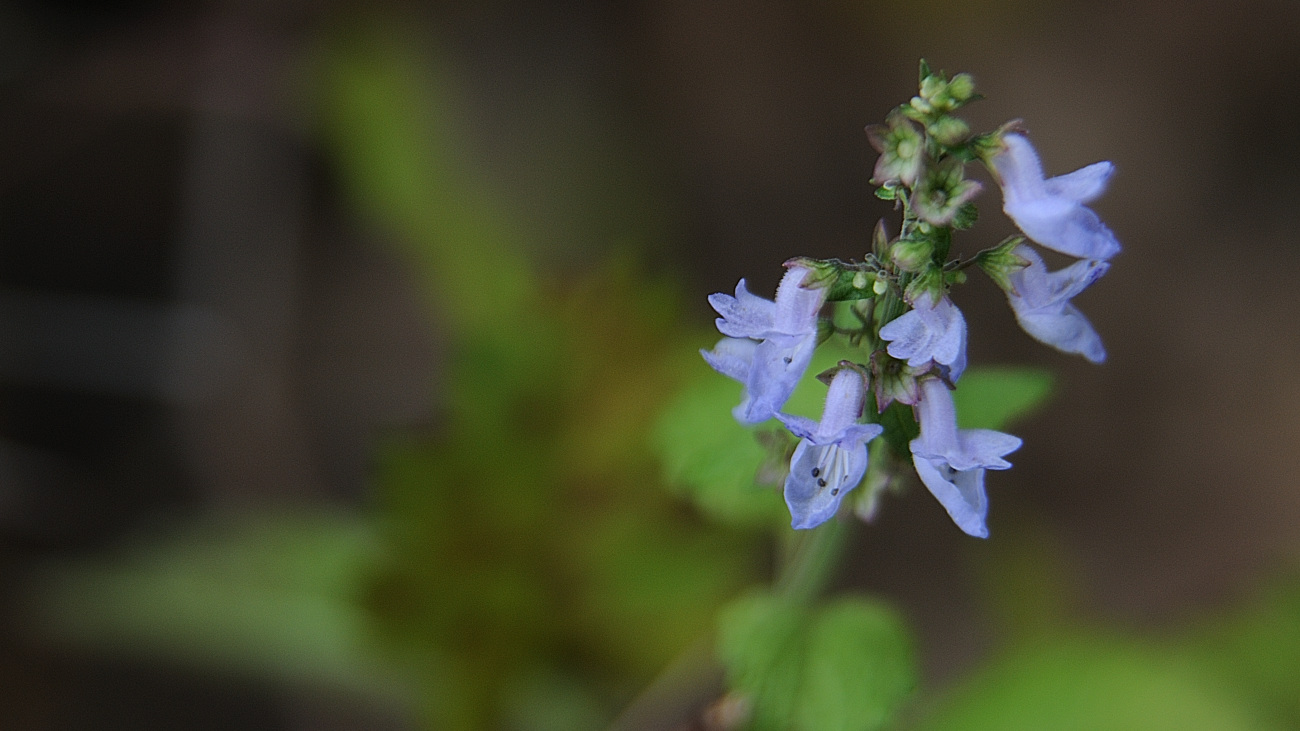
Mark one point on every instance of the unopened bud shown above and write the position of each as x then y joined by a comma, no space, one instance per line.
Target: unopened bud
912,255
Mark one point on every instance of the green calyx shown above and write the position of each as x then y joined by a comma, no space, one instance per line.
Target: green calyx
1001,262
843,281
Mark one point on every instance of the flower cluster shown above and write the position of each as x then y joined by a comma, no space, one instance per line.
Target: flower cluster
912,335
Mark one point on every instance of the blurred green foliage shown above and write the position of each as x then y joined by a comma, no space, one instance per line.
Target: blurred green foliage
526,569
273,597
530,541
842,666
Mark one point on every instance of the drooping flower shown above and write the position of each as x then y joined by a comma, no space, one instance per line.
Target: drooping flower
933,330
769,344
1041,301
951,461
831,457
1051,212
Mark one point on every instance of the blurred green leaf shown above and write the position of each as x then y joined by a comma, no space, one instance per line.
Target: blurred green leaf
846,666
1255,651
859,667
761,645
713,459
1092,683
271,598
993,397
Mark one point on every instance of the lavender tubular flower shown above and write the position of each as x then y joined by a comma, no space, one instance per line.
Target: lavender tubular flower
832,454
1041,302
932,331
1051,212
951,461
770,344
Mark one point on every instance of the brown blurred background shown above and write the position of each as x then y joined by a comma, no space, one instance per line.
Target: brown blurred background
192,319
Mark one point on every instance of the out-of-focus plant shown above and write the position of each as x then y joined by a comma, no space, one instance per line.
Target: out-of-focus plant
587,509
531,546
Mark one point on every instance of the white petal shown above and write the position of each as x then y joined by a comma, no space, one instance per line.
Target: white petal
1064,226
928,332
843,403
960,493
732,357
779,362
1082,185
814,497
1064,328
985,448
797,308
800,426
937,417
1019,172
745,315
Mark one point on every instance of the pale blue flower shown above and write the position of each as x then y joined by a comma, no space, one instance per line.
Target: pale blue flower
832,454
1051,212
932,331
770,344
1041,301
951,461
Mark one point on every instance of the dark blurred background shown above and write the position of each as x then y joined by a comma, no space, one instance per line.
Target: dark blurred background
196,320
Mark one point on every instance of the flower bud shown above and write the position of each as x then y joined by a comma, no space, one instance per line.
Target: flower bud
949,131
912,255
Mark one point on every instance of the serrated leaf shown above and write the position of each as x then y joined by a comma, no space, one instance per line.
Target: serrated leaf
846,666
993,397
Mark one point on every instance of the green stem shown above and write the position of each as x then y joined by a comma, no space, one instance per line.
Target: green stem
810,558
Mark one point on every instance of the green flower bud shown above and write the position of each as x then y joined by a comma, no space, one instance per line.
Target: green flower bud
880,241
949,131
912,255
961,88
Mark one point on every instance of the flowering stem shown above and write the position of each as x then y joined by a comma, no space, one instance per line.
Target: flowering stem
809,559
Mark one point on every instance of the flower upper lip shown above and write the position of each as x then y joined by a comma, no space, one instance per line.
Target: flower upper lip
769,344
1051,211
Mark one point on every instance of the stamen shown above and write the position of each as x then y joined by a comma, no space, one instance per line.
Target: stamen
816,471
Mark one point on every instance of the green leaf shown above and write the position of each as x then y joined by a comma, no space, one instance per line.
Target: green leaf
846,666
760,642
273,599
1092,682
710,457
858,668
994,397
